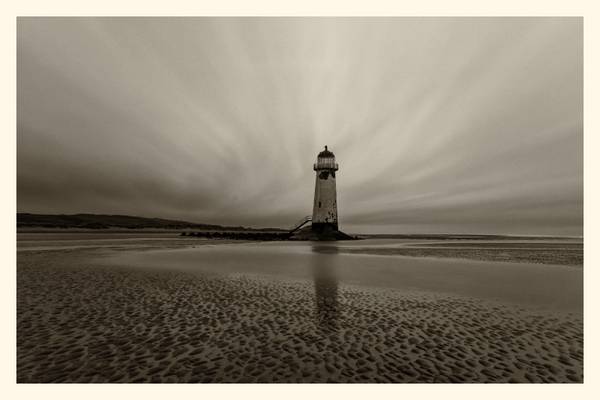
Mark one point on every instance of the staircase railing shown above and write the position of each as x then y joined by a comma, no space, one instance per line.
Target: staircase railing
300,223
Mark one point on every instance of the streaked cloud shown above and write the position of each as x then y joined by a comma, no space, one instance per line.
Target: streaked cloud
438,124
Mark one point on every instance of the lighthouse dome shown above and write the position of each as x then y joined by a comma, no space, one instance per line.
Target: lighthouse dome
326,154
326,160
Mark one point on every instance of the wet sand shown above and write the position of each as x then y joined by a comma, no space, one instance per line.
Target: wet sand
558,253
79,320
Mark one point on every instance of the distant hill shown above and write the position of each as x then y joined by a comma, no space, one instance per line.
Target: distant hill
98,221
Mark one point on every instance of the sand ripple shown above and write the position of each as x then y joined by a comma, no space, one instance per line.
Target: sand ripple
82,323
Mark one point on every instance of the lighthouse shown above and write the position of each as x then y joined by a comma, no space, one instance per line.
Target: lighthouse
325,215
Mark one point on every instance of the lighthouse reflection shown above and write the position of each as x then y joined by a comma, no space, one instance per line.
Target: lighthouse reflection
324,271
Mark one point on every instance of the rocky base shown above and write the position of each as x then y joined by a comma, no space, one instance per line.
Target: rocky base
308,233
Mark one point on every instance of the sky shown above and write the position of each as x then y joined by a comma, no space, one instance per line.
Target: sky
439,125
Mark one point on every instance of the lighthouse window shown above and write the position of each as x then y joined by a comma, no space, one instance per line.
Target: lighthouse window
319,204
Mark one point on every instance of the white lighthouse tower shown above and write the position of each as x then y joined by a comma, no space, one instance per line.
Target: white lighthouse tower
325,216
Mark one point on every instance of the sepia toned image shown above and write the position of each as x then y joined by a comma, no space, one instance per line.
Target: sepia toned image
299,200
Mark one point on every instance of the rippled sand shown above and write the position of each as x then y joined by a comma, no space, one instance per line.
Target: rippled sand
79,322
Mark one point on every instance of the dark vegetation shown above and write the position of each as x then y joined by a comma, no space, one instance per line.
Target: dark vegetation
191,229
97,221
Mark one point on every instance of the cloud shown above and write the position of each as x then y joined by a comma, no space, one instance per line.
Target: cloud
439,124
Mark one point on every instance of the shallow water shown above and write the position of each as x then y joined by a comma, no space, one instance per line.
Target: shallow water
328,265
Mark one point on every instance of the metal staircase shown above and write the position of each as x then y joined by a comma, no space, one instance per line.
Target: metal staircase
300,223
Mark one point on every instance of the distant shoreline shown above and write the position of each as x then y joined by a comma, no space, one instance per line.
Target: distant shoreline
104,222
174,231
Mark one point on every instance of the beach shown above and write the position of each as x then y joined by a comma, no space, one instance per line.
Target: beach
121,308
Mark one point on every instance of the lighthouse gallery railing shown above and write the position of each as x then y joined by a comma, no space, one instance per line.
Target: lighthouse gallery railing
325,165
